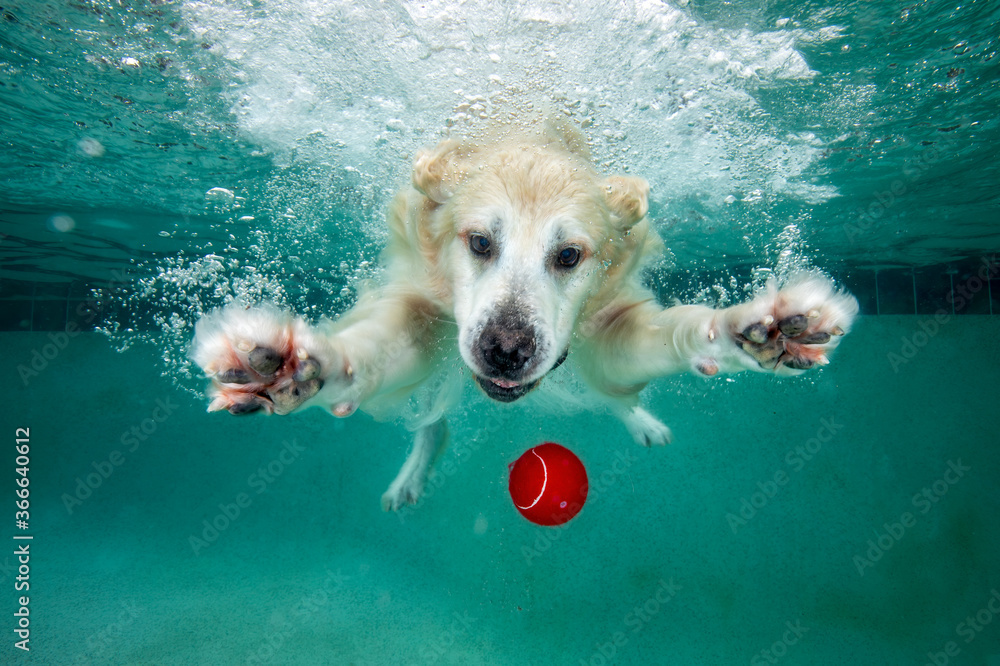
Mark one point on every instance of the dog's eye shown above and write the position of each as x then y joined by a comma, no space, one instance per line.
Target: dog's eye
569,257
479,244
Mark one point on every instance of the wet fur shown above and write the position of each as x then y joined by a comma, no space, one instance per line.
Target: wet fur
517,311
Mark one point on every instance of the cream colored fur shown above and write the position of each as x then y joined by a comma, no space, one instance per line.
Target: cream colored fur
533,194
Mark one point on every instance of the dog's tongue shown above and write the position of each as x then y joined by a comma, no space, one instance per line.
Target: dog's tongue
503,383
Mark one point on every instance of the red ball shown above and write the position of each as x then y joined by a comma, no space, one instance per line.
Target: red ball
548,484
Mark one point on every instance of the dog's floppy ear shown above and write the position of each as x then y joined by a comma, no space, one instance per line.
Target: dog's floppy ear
437,171
627,198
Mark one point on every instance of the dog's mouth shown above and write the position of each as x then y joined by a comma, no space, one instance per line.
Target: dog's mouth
508,390
505,390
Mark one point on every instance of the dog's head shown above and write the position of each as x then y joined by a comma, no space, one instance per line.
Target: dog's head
531,234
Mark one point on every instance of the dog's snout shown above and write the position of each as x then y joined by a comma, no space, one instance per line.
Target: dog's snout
505,351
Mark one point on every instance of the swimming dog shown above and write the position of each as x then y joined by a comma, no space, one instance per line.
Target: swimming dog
514,248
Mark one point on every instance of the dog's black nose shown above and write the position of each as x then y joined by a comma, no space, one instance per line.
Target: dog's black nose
505,351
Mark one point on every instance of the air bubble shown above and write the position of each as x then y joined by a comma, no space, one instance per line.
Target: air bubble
90,147
62,223
480,525
220,196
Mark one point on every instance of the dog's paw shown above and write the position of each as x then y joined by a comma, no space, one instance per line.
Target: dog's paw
262,358
795,328
403,491
645,428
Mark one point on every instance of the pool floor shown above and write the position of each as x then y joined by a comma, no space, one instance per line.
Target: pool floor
848,517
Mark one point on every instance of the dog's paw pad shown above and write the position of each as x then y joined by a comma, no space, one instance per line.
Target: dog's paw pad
344,409
246,407
793,325
233,376
308,369
264,360
291,394
756,333
791,343
707,366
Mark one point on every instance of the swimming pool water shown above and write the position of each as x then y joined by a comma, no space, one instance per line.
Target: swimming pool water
164,157
311,571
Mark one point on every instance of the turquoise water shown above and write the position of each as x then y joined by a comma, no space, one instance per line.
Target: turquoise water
162,158
315,568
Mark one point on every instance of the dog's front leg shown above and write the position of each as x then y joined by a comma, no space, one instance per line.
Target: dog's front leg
785,331
429,442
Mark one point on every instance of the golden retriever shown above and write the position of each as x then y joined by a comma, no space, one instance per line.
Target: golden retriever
516,248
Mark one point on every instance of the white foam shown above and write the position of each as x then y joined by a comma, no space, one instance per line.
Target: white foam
362,85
